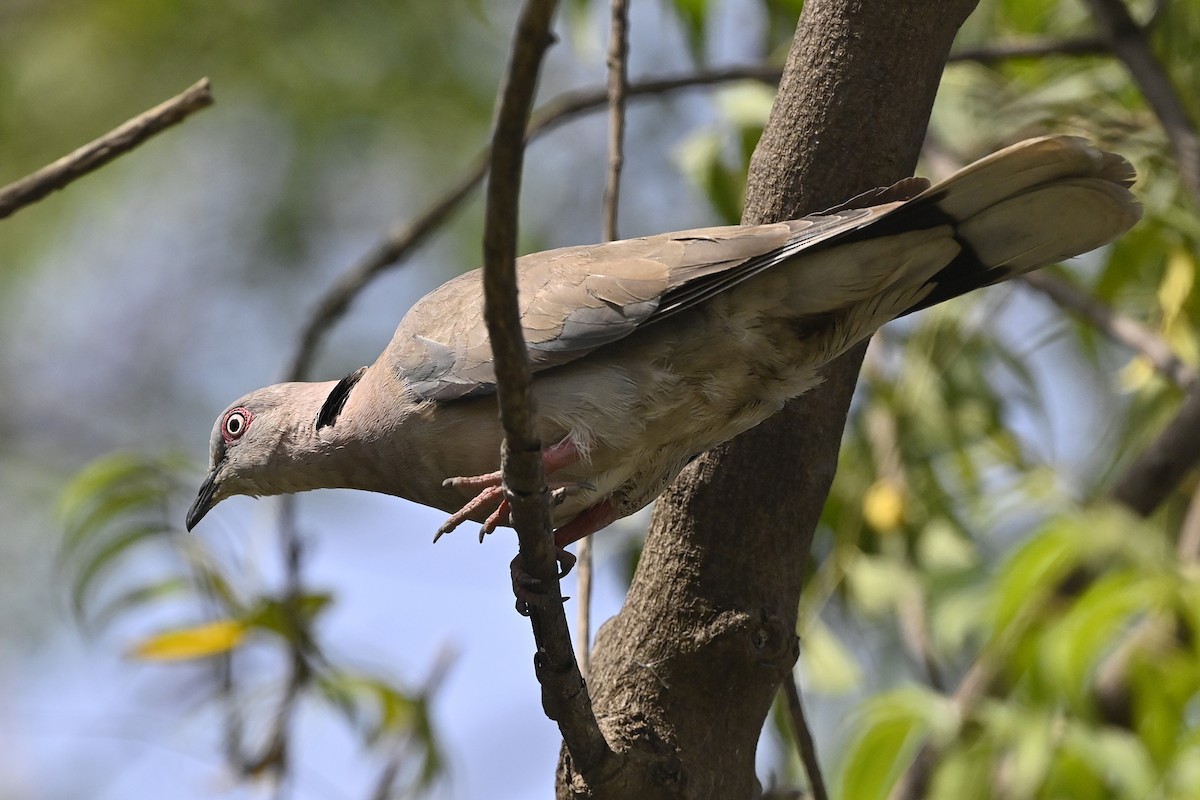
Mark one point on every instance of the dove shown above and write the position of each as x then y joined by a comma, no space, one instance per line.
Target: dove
646,352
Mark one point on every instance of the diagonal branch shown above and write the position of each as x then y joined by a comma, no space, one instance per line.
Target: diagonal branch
804,739
397,245
1119,327
565,697
97,153
1128,40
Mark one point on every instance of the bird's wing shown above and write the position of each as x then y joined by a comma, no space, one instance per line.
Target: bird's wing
1030,204
576,299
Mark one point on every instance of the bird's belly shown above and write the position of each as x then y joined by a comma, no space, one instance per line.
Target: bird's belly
641,410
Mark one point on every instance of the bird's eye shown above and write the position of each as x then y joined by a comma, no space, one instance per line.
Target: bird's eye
235,423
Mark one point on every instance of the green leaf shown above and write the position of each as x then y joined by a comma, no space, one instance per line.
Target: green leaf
108,489
110,550
889,730
1075,644
1115,757
693,15
270,613
141,596
376,706
1032,573
879,583
942,549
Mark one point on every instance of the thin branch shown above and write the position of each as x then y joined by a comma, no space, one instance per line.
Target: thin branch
1129,41
1156,473
521,462
96,154
618,84
914,782
1119,327
398,244
805,743
1188,545
1176,451
1033,48
565,696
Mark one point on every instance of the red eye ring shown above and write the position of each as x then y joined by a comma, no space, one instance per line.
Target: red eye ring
235,423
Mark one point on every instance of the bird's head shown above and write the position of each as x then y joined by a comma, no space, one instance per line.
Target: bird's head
264,444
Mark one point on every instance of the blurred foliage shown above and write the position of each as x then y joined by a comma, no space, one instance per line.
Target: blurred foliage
949,540
325,82
955,532
114,511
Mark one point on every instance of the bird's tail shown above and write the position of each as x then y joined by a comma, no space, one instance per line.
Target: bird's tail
1031,204
1021,208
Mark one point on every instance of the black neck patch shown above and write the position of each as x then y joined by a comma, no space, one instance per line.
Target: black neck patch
336,401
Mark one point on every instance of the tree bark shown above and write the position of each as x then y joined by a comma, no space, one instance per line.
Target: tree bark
685,675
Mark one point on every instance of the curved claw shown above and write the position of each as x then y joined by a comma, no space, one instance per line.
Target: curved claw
485,497
525,586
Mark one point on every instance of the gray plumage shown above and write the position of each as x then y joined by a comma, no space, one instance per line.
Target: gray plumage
648,351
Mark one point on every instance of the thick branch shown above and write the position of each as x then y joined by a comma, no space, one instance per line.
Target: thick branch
96,154
696,656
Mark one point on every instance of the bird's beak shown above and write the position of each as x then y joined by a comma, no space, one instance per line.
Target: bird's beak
205,500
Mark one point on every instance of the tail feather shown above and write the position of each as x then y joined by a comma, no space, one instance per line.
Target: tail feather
1026,206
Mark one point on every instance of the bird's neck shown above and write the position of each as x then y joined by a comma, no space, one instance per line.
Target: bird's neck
353,450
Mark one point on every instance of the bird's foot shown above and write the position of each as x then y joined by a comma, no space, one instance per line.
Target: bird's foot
501,513
490,492
527,589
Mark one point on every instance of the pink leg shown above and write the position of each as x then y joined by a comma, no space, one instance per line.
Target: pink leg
588,522
490,493
554,458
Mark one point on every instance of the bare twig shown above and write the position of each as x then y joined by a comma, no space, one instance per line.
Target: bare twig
1033,48
805,743
274,755
1155,474
96,154
1117,326
1188,544
397,245
913,783
1128,40
565,697
618,83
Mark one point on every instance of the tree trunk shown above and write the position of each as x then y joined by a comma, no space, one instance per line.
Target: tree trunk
685,675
